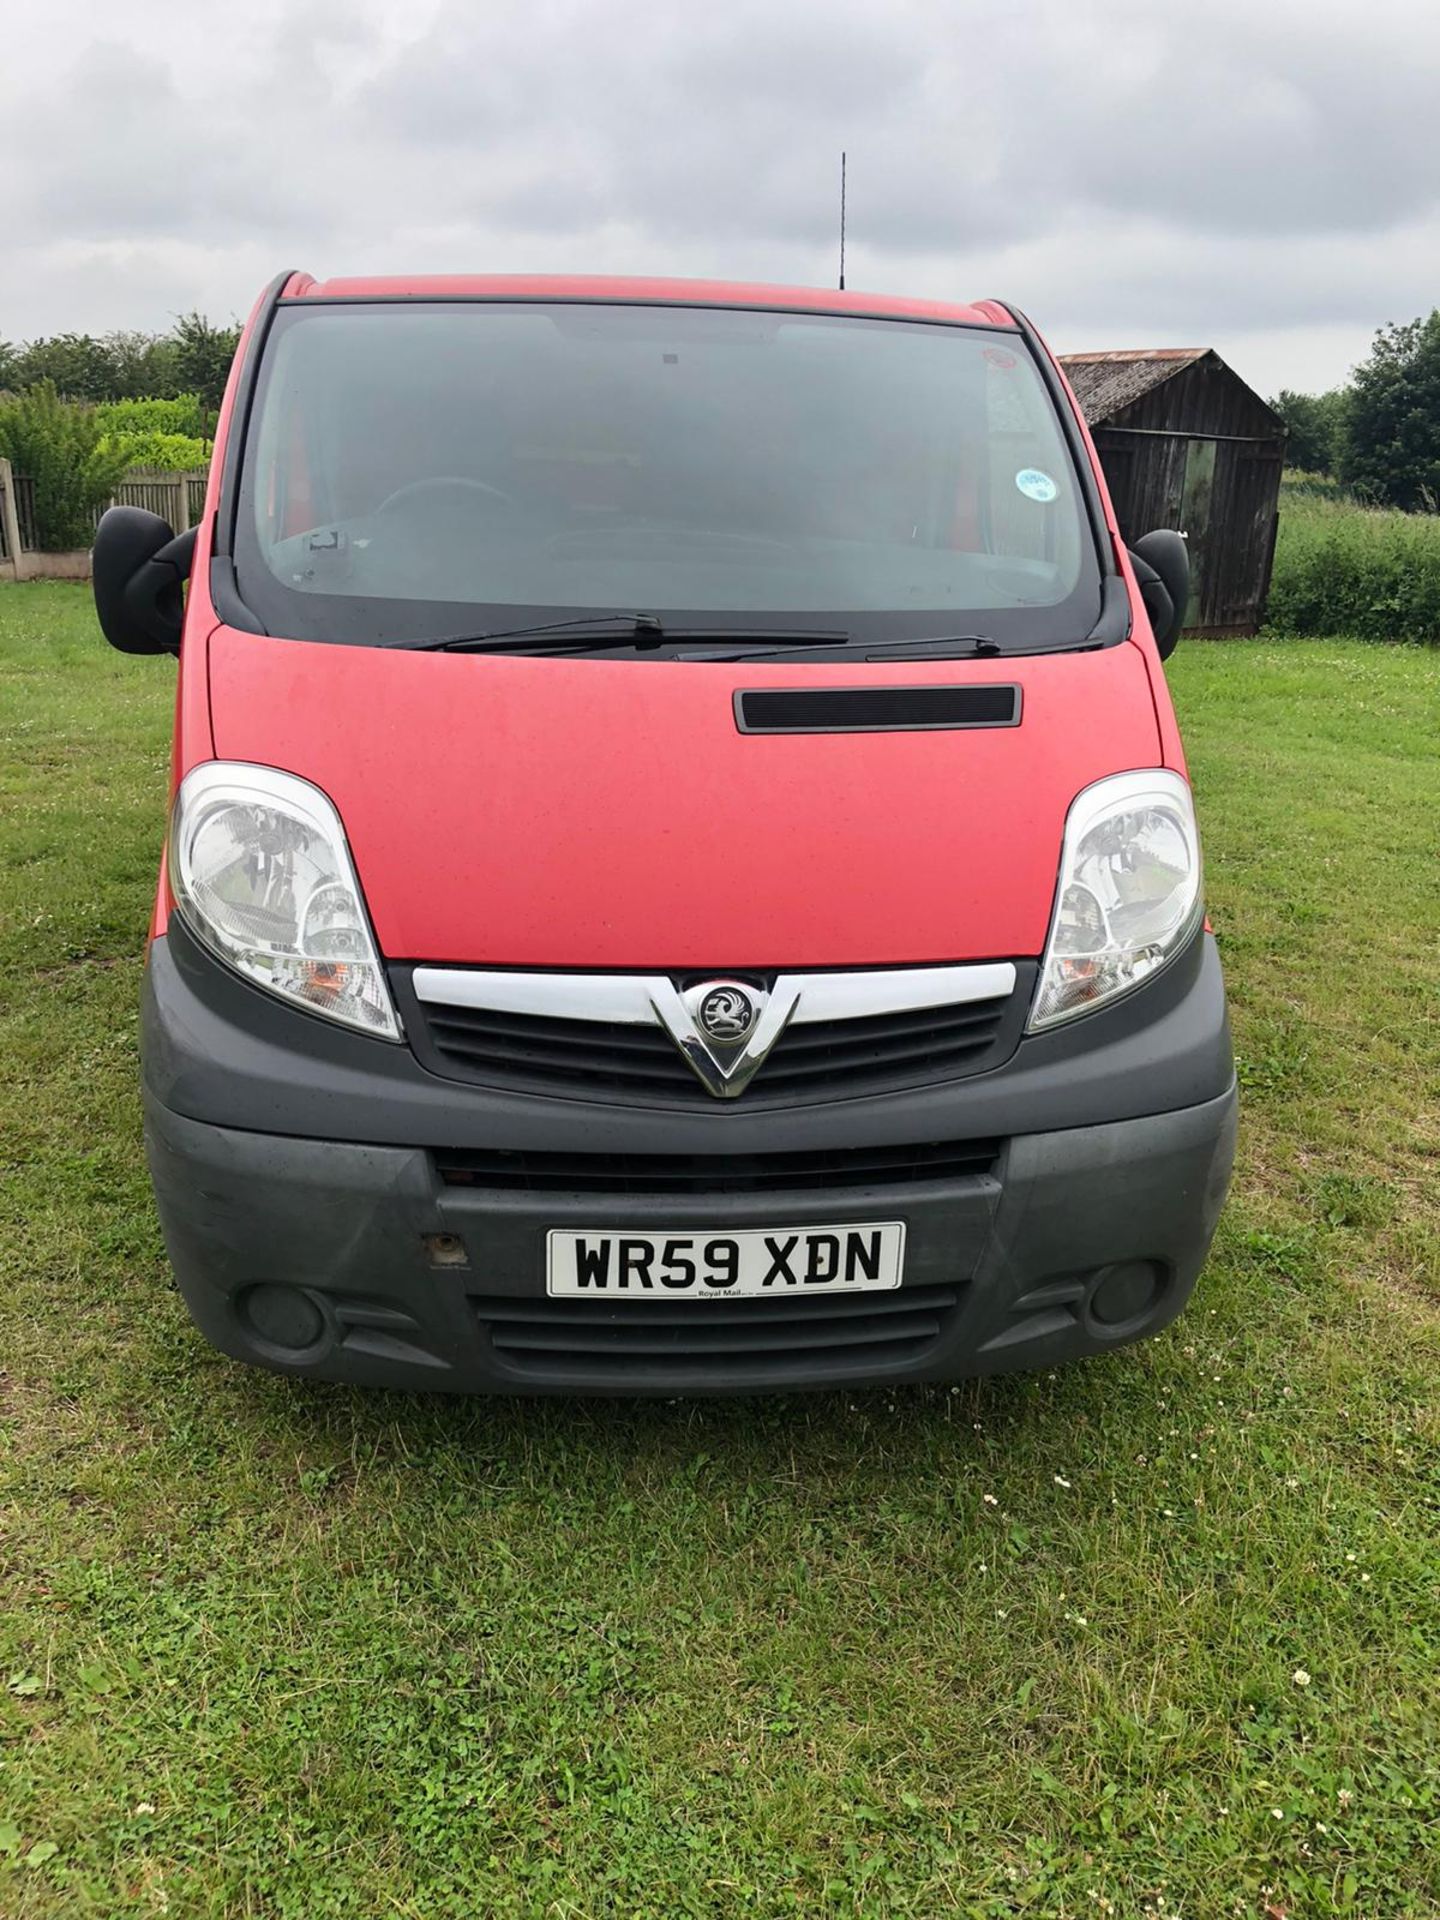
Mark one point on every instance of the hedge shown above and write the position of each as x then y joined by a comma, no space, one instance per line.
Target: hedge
1345,568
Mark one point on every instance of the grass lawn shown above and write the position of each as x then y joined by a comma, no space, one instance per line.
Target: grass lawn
1156,1635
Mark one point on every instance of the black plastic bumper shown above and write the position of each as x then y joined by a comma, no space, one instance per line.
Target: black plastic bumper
305,1239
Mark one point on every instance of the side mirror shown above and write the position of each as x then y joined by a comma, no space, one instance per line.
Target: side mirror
1162,567
139,570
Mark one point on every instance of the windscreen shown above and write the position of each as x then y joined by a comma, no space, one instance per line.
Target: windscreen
414,468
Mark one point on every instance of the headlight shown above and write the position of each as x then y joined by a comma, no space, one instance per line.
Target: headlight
261,871
1128,897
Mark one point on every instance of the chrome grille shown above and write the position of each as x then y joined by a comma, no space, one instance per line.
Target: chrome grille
637,1062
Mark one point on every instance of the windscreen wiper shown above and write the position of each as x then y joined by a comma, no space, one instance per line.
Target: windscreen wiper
644,628
938,646
591,633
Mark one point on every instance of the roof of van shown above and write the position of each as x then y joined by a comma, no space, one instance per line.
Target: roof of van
704,293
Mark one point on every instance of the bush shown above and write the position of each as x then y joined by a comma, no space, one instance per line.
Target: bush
185,414
168,436
1344,568
163,452
60,446
164,434
1297,484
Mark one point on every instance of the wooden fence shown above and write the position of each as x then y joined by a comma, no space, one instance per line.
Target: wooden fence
176,497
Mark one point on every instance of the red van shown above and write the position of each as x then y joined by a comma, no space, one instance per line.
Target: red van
681,874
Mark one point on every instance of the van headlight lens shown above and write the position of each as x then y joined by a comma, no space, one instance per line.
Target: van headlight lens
260,870
1128,897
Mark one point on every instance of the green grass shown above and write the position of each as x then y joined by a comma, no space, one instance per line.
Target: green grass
1028,1647
1341,567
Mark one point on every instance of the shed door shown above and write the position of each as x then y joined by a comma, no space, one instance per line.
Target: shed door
1237,599
1196,515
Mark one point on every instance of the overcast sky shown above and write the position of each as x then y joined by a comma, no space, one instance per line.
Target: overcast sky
1262,176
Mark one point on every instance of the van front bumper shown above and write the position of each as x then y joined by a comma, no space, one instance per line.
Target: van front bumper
306,1239
335,1260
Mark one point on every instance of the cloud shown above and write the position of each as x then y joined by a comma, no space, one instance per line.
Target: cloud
1198,172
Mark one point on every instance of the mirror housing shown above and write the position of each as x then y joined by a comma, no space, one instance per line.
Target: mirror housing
139,568
1162,569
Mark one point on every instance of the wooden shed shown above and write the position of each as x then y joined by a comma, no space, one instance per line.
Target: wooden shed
1186,444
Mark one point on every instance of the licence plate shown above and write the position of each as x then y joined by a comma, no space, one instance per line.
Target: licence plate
780,1262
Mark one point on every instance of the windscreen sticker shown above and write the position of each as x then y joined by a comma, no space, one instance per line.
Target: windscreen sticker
1036,485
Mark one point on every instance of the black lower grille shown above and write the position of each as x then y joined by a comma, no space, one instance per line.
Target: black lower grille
811,1061
710,1173
589,1342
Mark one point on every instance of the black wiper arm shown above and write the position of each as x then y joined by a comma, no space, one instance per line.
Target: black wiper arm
591,633
934,645
937,646
644,628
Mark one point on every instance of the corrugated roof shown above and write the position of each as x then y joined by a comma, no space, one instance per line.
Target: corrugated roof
1106,382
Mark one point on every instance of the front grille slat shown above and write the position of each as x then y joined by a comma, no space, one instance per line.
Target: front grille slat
808,1066
561,1037
886,1027
767,1312
509,1069
616,1340
525,1171
638,1063
609,1343
543,1048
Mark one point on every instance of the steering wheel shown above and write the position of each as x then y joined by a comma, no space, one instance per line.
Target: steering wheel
415,489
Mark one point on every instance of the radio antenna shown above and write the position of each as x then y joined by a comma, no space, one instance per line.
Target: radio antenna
842,222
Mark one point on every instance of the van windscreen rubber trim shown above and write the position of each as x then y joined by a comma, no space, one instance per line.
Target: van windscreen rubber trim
875,709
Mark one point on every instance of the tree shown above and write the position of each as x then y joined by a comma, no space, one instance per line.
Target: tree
75,364
1393,443
202,357
1316,428
143,366
194,358
58,444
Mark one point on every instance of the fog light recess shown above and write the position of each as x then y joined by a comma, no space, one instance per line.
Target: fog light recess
1124,1296
290,1322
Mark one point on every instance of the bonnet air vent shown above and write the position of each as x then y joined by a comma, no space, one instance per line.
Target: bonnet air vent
874,709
